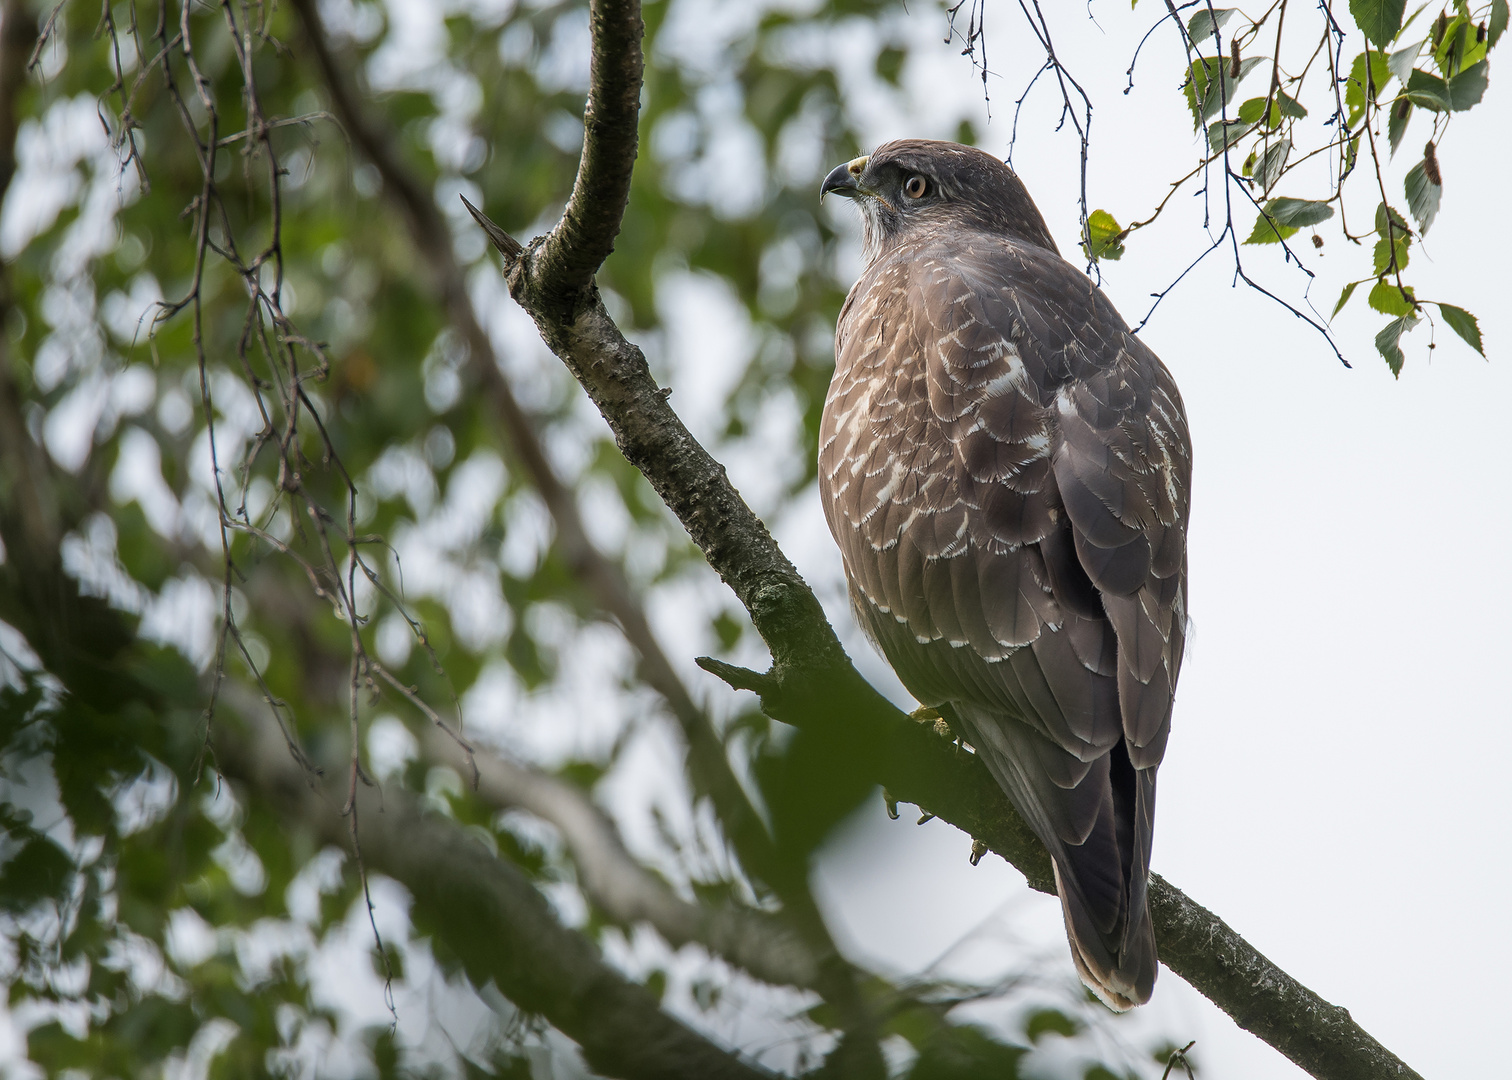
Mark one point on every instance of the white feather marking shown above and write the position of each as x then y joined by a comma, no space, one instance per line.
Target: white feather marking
1039,444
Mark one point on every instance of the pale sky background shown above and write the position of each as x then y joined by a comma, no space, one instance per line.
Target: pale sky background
1335,786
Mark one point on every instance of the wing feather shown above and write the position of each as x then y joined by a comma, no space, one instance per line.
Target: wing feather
1006,470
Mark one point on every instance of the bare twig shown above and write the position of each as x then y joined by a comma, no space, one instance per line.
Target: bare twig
277,361
1083,124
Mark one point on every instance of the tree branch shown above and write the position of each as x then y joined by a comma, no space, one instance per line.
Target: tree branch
564,263
813,684
482,907
751,939
711,773
489,915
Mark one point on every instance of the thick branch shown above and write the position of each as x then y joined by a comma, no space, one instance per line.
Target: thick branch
813,683
711,774
491,916
485,910
688,479
598,202
625,890
565,264
1261,998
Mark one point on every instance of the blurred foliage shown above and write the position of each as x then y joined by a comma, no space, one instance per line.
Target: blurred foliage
150,918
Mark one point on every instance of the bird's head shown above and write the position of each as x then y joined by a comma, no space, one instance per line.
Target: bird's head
918,184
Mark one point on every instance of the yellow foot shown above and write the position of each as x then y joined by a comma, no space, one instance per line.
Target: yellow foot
936,719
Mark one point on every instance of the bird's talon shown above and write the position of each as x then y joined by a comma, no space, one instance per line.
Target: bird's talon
978,849
926,816
892,804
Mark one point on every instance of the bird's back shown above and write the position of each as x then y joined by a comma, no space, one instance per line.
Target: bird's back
1005,468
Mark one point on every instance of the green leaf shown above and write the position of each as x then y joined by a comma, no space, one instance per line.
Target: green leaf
1381,257
1281,105
1400,63
1251,111
1268,169
1380,19
1344,297
1468,87
1384,213
1498,24
1457,49
1265,232
1105,236
1299,212
1290,106
1395,248
1386,298
1367,75
1386,342
1200,26
1221,135
1464,324
1210,83
1396,126
1428,90
1422,197
1287,215
1047,1020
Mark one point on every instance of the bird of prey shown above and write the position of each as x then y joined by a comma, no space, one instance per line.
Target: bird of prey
1005,468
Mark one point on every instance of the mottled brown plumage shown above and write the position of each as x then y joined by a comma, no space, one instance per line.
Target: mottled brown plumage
1006,468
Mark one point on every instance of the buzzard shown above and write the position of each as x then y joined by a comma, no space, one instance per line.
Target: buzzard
1005,468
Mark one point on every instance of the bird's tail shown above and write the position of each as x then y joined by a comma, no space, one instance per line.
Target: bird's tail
1096,818
1121,978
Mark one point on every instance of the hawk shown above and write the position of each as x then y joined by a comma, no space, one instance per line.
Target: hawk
1005,468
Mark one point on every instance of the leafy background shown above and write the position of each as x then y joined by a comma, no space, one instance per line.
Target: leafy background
1335,767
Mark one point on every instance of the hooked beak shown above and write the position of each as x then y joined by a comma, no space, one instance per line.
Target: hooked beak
845,180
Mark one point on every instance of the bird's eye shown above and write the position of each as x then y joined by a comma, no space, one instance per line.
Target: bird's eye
916,188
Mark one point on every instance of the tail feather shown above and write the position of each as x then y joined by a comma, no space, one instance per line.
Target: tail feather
1120,980
1097,823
